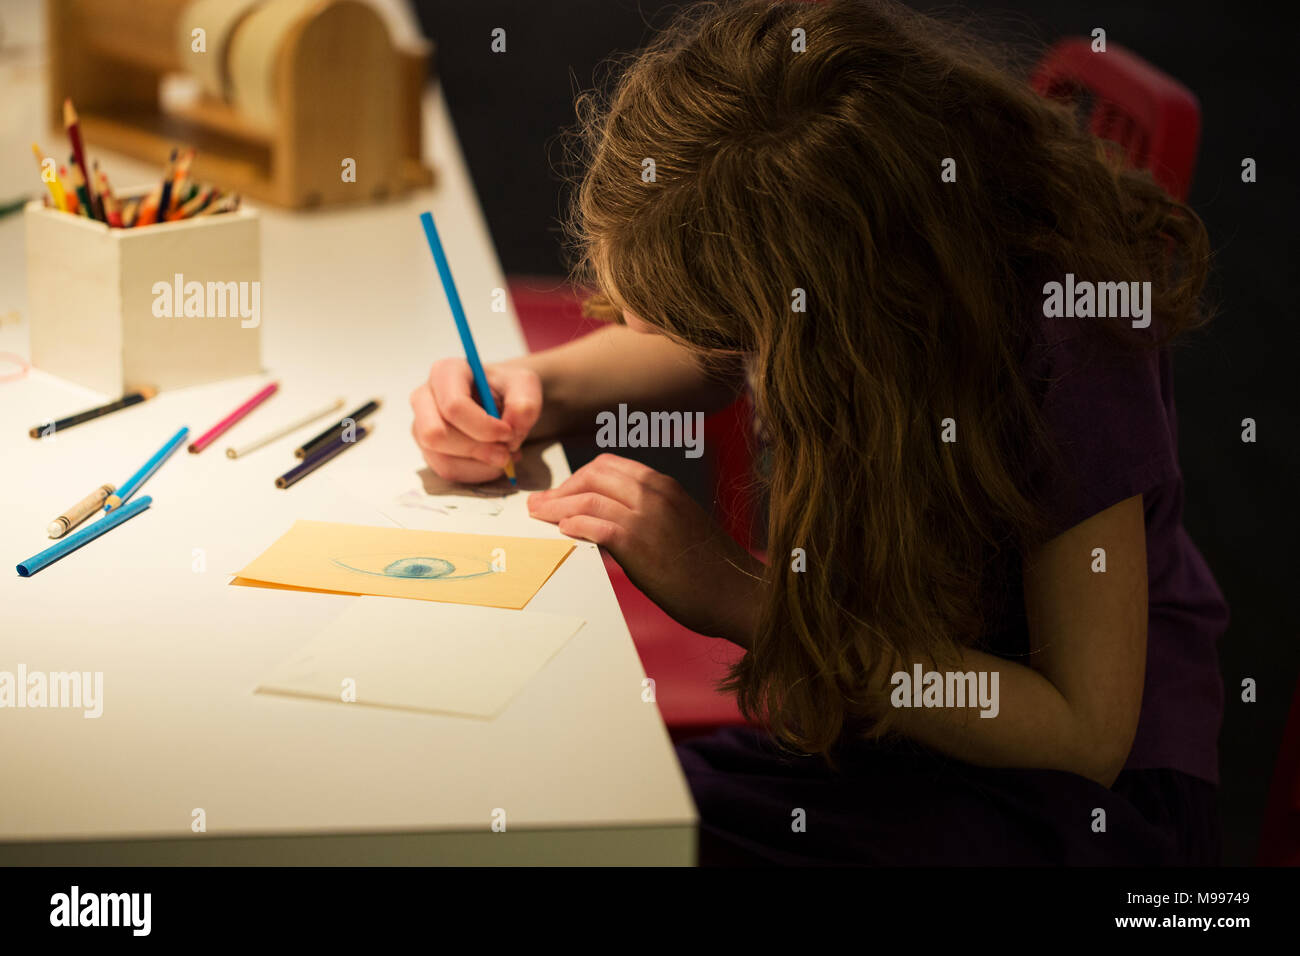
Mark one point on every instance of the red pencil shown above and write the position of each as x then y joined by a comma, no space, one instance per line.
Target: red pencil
73,127
216,431
112,212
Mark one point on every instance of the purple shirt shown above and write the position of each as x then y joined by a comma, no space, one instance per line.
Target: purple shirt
1113,414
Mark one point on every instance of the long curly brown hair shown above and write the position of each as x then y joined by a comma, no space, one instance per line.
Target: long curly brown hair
777,170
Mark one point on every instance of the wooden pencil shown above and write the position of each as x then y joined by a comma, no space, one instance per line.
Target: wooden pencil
54,186
228,203
168,182
462,326
148,211
193,206
134,397
112,212
180,182
71,203
82,193
73,127
321,456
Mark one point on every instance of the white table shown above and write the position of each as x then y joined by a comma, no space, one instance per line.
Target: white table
351,305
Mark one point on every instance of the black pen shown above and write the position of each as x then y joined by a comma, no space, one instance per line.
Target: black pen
335,430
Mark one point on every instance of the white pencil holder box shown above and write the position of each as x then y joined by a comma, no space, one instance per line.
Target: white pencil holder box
168,305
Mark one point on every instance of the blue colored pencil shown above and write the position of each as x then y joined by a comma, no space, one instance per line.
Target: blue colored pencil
148,468
89,533
462,325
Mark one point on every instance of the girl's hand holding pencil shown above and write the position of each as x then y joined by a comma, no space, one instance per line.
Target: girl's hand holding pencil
670,548
482,387
459,440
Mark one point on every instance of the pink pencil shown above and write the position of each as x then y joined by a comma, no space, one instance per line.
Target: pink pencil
221,427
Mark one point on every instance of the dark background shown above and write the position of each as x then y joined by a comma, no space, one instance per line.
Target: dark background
511,109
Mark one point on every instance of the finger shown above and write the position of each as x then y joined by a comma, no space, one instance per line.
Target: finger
607,534
590,503
599,480
453,389
642,473
522,404
466,471
432,433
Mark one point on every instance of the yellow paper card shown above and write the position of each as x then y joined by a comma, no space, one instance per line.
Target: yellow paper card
487,570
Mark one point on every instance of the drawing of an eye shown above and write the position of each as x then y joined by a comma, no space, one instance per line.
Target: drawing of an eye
417,568
420,568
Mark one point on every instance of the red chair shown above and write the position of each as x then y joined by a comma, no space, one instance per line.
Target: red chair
1150,115
684,665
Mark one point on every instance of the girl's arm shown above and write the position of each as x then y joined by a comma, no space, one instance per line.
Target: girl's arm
556,392
1074,704
597,372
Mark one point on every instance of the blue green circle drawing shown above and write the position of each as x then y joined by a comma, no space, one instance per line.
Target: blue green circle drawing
418,568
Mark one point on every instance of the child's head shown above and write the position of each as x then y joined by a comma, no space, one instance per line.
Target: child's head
867,204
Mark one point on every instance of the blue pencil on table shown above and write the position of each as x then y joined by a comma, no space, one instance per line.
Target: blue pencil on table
133,483
462,326
73,541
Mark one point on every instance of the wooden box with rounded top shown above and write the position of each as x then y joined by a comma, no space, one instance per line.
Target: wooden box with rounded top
285,92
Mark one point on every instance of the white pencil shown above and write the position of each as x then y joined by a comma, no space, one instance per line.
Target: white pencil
281,432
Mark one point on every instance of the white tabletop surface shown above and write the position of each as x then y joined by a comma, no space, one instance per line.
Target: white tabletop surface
351,306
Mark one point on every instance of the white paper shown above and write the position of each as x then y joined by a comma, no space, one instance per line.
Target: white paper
423,656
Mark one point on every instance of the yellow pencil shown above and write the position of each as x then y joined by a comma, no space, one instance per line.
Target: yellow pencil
69,196
53,185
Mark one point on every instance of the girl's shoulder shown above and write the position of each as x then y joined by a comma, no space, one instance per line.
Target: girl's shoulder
1108,409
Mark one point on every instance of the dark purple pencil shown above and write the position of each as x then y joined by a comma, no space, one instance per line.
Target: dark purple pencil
319,457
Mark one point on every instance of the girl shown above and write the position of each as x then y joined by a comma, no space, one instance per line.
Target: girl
982,635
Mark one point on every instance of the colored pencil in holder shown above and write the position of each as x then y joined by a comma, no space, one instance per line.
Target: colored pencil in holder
54,186
73,127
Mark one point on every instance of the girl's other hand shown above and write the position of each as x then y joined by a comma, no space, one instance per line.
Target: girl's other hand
669,547
458,439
